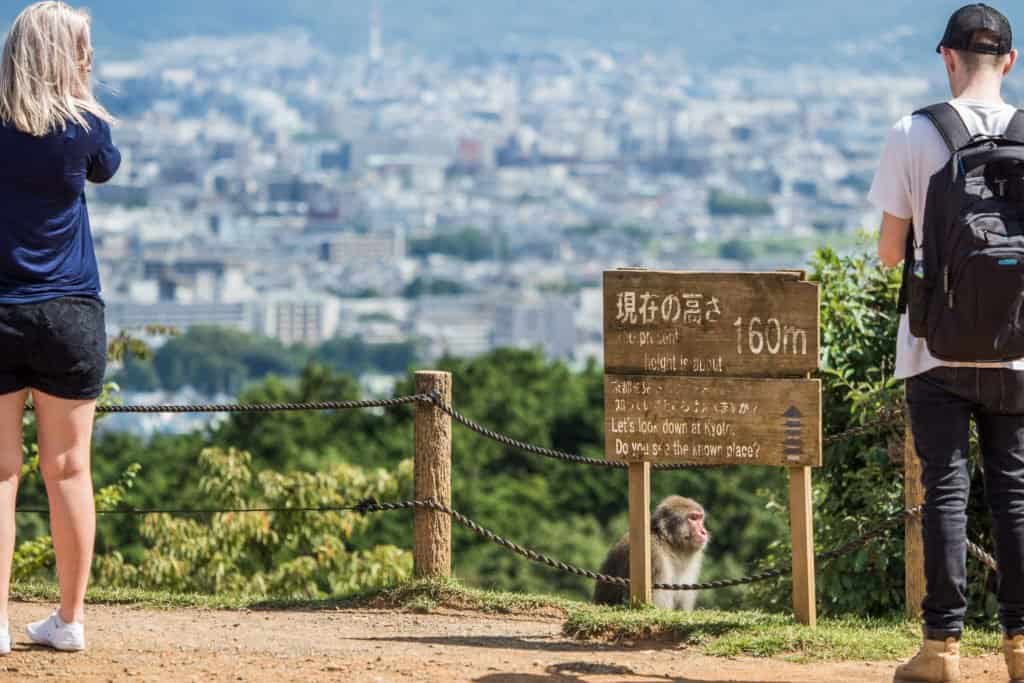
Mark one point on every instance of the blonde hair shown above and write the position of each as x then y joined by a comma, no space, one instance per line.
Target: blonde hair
44,72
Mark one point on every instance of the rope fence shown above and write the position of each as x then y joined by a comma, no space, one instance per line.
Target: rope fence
886,419
370,506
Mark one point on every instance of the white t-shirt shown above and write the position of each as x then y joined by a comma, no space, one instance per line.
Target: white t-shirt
915,151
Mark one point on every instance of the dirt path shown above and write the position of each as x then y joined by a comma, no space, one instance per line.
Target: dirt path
366,645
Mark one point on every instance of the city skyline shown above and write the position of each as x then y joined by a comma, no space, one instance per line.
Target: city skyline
465,202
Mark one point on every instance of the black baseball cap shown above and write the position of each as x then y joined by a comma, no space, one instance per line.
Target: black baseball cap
970,19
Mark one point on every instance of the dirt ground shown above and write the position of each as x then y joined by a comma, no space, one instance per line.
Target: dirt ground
127,643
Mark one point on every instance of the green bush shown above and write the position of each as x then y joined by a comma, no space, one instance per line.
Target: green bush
282,554
861,483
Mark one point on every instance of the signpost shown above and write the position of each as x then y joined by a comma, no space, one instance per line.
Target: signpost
711,369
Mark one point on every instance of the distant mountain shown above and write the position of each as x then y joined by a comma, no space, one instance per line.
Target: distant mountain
888,32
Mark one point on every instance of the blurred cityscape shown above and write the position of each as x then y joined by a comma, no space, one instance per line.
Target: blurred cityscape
469,203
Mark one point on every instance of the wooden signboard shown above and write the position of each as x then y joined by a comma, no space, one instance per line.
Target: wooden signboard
710,324
712,368
713,421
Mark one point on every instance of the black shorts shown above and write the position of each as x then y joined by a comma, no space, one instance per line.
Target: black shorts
58,346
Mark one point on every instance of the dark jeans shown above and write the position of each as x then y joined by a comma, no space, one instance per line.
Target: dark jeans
941,403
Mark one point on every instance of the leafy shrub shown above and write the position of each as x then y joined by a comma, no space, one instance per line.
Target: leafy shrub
861,483
273,553
34,558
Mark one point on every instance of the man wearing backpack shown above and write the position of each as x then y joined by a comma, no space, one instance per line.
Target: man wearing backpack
951,186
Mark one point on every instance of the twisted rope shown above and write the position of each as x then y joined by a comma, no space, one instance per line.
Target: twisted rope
203,511
266,407
979,554
530,554
554,454
887,417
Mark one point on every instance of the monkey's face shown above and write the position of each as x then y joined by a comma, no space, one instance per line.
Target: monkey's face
681,524
696,536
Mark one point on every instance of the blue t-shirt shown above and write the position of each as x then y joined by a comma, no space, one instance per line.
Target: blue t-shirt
46,246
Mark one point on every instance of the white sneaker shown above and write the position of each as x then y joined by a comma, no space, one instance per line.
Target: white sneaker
55,633
5,640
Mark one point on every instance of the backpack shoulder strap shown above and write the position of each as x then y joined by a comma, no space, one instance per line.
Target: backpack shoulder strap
950,124
1015,131
908,264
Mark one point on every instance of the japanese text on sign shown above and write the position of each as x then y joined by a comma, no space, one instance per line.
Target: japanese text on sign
643,308
710,324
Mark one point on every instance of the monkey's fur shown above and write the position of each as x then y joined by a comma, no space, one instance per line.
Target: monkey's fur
677,551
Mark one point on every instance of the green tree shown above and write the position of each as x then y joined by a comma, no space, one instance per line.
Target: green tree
468,244
218,359
310,440
432,287
214,359
737,250
721,203
353,355
139,375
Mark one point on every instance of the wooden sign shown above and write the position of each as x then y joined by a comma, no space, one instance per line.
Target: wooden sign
713,421
686,359
710,324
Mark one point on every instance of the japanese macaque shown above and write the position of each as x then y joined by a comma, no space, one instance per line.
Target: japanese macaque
678,538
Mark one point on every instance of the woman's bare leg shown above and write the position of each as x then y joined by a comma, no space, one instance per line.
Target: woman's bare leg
65,438
12,407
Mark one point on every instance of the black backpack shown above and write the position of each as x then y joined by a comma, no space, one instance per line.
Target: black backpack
963,288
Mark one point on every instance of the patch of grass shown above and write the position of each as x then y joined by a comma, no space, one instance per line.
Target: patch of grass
43,591
691,628
422,595
422,605
757,634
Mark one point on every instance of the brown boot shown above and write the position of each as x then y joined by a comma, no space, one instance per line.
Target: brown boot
1013,651
938,661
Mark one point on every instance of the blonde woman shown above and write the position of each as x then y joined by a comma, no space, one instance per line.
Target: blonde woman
54,136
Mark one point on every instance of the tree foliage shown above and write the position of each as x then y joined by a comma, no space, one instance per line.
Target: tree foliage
861,483
214,360
269,553
468,244
721,203
859,486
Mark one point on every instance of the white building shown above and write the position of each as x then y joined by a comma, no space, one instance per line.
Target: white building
122,315
297,317
460,326
547,323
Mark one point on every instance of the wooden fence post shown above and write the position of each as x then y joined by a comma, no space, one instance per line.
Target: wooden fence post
801,526
913,495
640,533
432,530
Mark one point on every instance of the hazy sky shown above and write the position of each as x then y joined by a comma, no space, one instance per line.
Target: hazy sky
723,31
